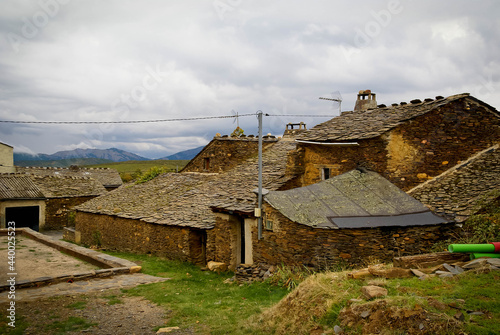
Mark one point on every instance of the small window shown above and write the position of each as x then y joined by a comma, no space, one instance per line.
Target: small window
206,163
325,173
269,224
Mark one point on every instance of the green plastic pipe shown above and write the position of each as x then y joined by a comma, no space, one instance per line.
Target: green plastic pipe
488,248
478,254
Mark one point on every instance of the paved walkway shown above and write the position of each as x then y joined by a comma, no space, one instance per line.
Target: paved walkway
82,287
92,285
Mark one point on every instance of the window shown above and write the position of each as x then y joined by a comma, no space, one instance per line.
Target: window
206,163
325,173
269,224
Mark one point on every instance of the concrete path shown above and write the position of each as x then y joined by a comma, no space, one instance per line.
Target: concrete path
121,276
81,287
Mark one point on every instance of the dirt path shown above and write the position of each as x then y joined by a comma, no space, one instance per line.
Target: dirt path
34,260
109,312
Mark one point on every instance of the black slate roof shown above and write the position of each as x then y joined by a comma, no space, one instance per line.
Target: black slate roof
351,126
185,199
107,177
356,199
26,186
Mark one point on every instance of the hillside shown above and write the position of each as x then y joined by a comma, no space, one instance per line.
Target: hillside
184,155
63,162
112,154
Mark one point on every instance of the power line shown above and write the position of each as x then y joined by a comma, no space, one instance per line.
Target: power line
132,121
156,121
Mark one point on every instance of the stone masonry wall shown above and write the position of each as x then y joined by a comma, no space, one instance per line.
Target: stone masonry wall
221,241
121,234
290,243
457,193
57,209
413,152
224,153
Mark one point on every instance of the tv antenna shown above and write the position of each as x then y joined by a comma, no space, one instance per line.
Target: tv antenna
236,118
337,99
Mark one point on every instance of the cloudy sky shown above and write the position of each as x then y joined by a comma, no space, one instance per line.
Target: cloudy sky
121,60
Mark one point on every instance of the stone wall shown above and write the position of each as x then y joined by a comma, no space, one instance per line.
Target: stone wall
130,235
465,189
224,153
222,240
413,152
57,210
292,244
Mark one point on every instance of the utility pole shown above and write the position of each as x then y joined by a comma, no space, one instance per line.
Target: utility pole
259,209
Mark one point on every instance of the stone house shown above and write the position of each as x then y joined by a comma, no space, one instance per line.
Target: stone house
207,211
171,215
225,152
43,202
347,218
21,201
407,143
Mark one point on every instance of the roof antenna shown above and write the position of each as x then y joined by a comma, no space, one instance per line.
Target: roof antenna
236,118
337,100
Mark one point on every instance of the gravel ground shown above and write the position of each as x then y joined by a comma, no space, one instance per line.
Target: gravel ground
109,312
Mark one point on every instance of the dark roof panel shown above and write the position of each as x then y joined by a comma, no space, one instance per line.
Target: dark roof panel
413,219
351,197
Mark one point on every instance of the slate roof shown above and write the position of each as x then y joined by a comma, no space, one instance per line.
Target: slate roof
18,186
464,189
107,177
356,199
26,186
68,186
185,199
351,126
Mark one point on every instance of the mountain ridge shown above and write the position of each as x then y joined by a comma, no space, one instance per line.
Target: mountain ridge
112,154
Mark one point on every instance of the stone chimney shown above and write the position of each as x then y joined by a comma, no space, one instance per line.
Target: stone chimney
294,129
366,100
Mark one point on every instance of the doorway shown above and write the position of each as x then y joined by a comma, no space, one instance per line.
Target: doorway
198,247
24,217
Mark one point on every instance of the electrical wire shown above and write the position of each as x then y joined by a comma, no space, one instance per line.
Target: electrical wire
156,121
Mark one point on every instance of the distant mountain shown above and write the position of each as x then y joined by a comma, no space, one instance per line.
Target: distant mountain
64,162
113,154
184,155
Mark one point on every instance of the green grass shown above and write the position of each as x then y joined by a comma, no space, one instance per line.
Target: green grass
200,300
113,300
133,166
77,305
69,325
132,170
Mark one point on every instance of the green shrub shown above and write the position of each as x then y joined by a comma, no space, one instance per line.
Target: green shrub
153,172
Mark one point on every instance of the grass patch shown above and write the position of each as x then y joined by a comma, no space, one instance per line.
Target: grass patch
69,325
132,170
323,301
113,300
77,305
200,300
20,324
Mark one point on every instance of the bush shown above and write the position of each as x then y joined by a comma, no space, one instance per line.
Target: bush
153,172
